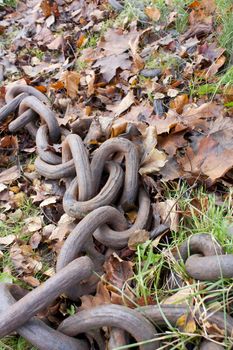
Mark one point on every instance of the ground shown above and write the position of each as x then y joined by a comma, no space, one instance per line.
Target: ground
162,68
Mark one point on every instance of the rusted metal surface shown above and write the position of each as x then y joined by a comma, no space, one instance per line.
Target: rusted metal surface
98,191
113,316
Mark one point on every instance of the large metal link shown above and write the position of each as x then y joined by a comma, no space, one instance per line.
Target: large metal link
46,115
36,331
80,240
103,153
111,238
21,311
113,316
107,195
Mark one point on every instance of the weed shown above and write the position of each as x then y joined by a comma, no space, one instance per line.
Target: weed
15,343
71,310
225,20
37,53
10,3
80,65
92,41
106,25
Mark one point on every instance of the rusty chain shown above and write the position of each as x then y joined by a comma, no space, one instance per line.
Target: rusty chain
99,206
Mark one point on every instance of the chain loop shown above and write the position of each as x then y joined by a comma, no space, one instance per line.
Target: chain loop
36,331
112,316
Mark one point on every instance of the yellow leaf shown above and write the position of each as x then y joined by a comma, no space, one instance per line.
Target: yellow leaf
118,128
15,189
19,199
186,323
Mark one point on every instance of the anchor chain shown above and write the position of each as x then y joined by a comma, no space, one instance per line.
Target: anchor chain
98,192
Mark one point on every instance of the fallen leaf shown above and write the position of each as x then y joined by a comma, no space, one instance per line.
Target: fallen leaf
46,7
116,41
32,281
109,65
211,155
149,137
117,271
33,224
125,103
101,297
134,43
48,201
71,81
7,240
168,213
35,240
186,323
139,236
181,297
179,102
19,199
172,92
64,227
153,162
56,43
9,175
213,69
153,13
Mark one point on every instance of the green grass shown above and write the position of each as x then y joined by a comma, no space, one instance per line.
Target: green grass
15,224
224,19
200,212
9,3
15,343
134,10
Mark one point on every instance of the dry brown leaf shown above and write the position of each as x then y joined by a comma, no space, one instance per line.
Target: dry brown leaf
19,199
168,211
125,103
48,201
213,69
35,240
116,41
178,103
153,162
117,271
211,155
7,240
212,328
64,227
9,175
139,236
153,13
149,140
56,43
71,81
181,297
118,127
109,65
102,297
134,46
33,224
32,281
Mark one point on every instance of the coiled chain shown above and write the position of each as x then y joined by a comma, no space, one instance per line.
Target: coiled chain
99,205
